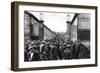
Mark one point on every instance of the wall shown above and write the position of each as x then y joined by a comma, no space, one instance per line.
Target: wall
48,33
73,32
26,26
83,21
31,27
34,28
5,37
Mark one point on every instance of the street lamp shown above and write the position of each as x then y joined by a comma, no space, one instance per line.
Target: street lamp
41,16
41,21
68,18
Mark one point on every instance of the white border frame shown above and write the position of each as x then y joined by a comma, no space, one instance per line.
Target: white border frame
23,64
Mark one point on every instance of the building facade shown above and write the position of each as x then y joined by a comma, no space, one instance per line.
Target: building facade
34,29
79,29
83,22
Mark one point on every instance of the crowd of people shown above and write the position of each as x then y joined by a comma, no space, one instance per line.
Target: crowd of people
37,50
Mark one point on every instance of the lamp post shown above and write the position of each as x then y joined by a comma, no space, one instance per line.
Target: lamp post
68,27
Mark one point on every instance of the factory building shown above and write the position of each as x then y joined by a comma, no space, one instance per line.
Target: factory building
79,29
34,29
83,21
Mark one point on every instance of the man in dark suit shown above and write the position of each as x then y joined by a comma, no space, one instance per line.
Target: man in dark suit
34,54
54,52
67,53
47,51
84,52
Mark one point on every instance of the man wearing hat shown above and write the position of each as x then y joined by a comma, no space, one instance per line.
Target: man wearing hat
34,53
67,54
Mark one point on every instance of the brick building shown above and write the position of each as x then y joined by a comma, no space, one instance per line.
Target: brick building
83,21
34,29
79,28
